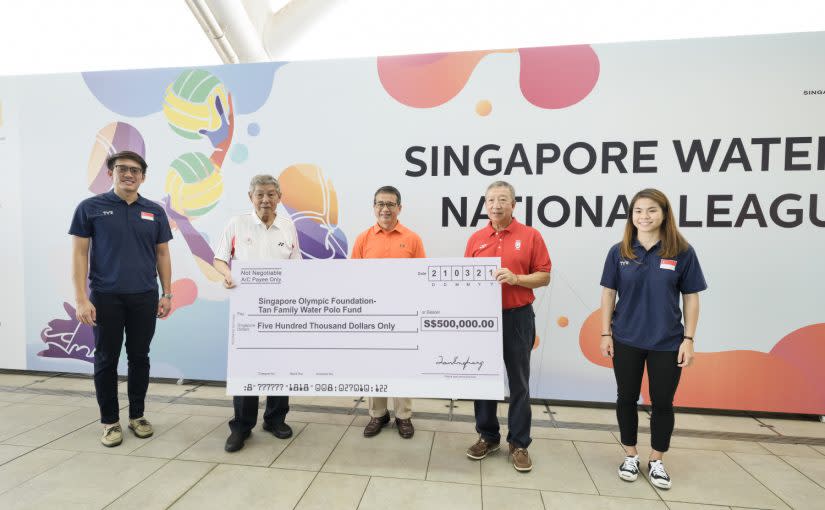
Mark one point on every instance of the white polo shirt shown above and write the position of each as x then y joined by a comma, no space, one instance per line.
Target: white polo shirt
246,237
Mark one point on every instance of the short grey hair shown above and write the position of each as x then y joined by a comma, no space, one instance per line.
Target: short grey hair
264,180
503,184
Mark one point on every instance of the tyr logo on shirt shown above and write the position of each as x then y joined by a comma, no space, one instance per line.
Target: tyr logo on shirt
624,262
518,244
482,246
668,264
147,216
281,244
107,213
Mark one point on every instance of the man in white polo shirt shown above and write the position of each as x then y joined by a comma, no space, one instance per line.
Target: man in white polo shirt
262,234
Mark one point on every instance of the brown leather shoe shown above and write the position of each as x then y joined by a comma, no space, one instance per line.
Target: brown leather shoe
521,459
405,427
482,448
375,425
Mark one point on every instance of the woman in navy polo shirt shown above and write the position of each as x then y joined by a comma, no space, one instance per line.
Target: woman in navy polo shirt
649,269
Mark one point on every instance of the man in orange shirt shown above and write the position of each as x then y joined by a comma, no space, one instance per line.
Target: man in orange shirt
388,239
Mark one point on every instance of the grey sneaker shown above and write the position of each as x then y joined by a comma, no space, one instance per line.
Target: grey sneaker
141,427
112,435
482,448
629,470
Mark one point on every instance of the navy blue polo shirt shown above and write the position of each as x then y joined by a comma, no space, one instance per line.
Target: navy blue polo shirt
647,314
124,238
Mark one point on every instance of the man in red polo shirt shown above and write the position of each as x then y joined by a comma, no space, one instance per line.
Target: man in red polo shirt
388,239
525,265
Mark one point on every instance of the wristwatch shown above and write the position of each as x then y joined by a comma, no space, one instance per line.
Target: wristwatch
166,296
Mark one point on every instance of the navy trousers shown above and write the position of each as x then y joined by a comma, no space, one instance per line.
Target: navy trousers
519,332
135,315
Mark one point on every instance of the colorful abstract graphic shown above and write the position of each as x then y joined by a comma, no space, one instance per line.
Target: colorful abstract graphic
141,92
69,338
112,138
786,379
550,77
312,204
194,184
193,103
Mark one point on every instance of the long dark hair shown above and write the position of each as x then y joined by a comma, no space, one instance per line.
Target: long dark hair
672,242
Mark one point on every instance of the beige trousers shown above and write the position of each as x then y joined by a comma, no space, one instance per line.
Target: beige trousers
402,406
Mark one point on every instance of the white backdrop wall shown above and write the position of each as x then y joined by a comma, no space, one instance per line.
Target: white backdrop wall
336,130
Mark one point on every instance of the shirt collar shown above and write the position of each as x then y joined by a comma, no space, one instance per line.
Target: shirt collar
401,229
258,221
509,229
637,244
112,197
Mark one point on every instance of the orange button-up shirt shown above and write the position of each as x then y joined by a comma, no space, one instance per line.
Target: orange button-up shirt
398,243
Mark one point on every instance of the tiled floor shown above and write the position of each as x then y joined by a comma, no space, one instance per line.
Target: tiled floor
51,458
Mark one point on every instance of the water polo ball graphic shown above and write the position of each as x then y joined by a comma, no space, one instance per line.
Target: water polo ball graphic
312,204
194,184
189,104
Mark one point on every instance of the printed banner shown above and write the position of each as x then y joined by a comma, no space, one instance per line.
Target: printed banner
730,129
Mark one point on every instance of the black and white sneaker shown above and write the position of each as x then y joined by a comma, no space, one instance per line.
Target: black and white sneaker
629,470
657,474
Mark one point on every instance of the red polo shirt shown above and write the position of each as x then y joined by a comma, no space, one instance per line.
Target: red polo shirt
522,251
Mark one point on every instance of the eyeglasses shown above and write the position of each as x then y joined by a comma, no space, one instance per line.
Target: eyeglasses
123,170
388,205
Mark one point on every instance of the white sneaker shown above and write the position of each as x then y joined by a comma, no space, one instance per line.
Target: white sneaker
657,474
112,435
629,470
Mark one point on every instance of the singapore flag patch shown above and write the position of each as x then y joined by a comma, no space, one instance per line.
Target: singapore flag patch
147,216
668,264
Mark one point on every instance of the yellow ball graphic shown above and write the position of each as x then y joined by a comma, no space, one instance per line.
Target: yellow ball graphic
484,107
194,184
189,104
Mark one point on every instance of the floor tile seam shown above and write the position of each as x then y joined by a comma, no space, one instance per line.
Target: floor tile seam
198,441
587,469
379,477
17,456
29,429
93,420
306,489
430,457
782,458
163,435
364,492
130,489
338,443
776,437
292,440
746,470
27,480
199,480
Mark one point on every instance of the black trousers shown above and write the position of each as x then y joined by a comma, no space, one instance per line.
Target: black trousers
519,332
663,379
134,314
246,412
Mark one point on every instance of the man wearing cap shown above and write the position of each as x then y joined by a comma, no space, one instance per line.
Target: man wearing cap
388,239
261,234
120,243
525,265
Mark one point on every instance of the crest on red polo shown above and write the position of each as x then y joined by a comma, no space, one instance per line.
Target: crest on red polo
668,264
147,216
